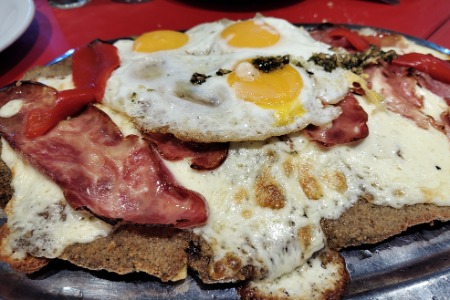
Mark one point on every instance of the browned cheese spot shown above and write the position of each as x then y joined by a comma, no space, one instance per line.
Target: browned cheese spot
268,192
376,186
309,183
247,213
8,208
336,180
28,234
272,156
241,195
399,193
288,167
227,267
305,236
429,194
368,197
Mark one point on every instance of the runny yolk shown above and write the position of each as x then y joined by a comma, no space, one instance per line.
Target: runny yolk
278,90
251,34
160,40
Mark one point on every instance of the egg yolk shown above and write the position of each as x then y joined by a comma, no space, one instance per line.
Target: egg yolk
277,90
251,34
160,40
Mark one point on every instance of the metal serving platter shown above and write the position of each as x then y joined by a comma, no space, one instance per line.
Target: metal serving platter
412,265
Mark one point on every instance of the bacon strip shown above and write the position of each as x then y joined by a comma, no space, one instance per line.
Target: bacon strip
203,156
348,127
113,176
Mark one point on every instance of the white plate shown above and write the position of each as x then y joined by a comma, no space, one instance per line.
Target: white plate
15,17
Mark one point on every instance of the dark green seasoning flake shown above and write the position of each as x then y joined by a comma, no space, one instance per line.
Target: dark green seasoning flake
222,72
198,78
354,62
268,64
133,96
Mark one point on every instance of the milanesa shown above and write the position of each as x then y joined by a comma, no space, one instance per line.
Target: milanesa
303,188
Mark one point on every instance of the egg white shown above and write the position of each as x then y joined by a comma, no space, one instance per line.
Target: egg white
155,88
294,40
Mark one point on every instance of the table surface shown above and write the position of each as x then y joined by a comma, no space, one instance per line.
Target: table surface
55,31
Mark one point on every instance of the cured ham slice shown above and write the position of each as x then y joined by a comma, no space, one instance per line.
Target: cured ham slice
400,88
351,40
323,36
399,85
437,87
113,176
203,156
349,126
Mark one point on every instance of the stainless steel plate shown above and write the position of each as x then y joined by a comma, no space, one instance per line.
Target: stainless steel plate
413,265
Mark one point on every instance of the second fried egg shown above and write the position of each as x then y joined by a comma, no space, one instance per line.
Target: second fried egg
242,94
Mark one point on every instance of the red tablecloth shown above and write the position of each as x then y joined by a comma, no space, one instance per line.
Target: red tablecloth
55,31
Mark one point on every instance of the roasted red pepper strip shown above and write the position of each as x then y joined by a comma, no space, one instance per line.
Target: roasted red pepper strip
91,67
435,67
357,41
68,103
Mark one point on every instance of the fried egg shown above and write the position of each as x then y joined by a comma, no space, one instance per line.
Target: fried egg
267,36
225,81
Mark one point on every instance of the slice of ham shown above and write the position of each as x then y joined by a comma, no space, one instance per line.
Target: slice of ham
322,35
399,86
445,118
437,87
202,156
349,126
115,177
330,35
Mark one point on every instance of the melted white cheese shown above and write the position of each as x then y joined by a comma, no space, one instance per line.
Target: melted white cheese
306,282
434,105
392,166
59,83
41,223
260,236
399,163
11,108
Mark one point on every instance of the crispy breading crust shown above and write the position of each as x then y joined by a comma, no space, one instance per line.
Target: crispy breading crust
158,251
200,257
367,223
6,191
29,264
59,69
